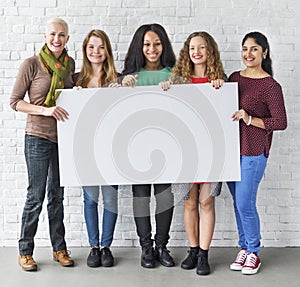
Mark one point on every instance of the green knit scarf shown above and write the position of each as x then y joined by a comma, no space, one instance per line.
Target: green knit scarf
58,69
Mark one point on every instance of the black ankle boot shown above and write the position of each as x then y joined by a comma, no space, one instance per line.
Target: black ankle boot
202,264
163,256
148,257
191,260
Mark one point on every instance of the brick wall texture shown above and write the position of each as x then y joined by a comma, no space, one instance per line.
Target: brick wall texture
22,25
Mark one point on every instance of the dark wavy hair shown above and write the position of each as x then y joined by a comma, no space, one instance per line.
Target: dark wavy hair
135,59
262,41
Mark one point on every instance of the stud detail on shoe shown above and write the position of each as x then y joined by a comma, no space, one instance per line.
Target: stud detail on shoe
27,263
252,264
63,257
239,262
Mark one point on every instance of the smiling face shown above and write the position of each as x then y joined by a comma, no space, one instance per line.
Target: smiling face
197,50
95,50
152,48
252,54
56,38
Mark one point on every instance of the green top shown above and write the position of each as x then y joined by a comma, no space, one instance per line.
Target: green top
151,78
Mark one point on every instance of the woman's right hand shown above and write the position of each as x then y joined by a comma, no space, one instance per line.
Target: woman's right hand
166,85
129,80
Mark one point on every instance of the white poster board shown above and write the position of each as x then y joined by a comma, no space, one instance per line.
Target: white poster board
145,135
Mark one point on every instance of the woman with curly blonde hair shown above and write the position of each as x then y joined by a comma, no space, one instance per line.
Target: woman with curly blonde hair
199,62
212,68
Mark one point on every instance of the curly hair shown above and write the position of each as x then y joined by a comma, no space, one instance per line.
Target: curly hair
184,67
109,74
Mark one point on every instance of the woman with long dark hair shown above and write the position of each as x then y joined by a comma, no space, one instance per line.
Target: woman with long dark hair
261,112
149,61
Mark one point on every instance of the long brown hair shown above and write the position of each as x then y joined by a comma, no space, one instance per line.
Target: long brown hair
184,67
109,74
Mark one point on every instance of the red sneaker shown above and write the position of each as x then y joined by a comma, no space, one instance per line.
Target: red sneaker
252,264
240,260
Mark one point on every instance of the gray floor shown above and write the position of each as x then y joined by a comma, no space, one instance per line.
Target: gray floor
280,267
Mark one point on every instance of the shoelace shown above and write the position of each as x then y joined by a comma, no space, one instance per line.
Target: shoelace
95,250
251,260
28,258
203,259
64,253
241,257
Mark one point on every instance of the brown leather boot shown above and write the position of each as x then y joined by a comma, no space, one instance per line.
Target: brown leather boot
27,263
63,257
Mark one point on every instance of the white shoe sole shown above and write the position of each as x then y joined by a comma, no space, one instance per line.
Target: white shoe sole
248,271
236,267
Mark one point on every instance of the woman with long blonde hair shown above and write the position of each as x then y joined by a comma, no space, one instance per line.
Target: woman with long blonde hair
98,71
98,74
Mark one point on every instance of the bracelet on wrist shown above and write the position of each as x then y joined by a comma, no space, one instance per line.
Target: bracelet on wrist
249,121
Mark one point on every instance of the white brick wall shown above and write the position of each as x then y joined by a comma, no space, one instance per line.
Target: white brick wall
22,26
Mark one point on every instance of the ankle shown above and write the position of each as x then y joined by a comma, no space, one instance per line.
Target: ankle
203,252
195,250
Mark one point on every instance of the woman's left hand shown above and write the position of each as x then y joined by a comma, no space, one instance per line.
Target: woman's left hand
241,115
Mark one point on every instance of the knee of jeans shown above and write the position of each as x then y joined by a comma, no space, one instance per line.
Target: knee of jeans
110,203
89,200
245,208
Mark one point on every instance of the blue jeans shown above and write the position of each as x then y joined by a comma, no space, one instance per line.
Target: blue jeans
244,194
109,217
42,165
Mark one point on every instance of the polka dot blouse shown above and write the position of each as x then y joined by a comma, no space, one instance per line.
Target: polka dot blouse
262,98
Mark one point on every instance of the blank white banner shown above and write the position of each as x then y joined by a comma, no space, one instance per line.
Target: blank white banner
145,135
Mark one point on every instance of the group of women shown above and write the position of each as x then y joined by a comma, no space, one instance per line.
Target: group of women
150,60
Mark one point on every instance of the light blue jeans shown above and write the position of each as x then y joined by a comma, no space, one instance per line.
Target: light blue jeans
109,217
244,194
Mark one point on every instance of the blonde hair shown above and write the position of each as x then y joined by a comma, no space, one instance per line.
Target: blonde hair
57,20
184,67
109,73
